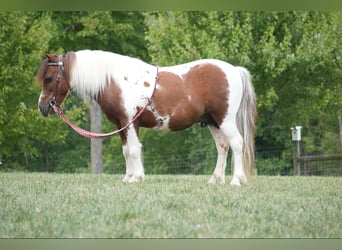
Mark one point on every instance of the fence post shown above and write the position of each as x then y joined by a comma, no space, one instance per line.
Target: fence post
296,138
95,144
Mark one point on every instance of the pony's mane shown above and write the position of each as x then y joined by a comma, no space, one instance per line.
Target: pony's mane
94,70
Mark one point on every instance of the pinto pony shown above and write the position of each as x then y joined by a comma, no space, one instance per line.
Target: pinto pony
210,92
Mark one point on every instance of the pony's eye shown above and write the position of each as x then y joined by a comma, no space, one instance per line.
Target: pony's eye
48,79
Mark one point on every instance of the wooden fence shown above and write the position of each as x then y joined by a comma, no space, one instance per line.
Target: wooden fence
330,164
327,164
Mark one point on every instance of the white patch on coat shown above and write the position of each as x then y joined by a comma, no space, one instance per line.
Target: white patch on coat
42,95
93,70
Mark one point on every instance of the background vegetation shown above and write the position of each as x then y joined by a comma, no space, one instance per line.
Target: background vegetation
294,58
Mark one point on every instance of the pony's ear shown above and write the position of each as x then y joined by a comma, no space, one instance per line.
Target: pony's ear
51,57
48,56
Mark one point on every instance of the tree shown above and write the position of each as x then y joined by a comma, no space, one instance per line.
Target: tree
24,39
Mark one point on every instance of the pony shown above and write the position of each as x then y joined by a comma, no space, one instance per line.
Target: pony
211,92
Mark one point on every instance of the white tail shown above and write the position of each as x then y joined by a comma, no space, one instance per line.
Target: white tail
245,121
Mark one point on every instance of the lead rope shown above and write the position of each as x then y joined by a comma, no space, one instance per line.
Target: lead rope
92,135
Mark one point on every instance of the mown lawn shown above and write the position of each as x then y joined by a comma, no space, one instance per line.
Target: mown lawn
40,205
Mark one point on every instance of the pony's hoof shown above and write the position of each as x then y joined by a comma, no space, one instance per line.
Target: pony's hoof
127,177
237,181
134,178
214,180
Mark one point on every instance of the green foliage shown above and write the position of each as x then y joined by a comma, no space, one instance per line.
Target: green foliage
23,37
119,32
273,166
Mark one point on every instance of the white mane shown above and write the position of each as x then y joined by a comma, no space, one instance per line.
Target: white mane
93,70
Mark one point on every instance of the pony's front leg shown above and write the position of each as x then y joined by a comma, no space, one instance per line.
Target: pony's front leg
132,152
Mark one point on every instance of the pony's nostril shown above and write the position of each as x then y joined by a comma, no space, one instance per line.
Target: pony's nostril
44,110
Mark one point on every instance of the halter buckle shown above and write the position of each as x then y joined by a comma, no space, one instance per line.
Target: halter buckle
52,103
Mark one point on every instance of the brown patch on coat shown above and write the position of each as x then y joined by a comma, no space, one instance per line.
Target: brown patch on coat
111,105
199,94
209,83
147,84
147,119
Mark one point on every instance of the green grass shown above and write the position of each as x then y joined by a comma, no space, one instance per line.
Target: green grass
43,205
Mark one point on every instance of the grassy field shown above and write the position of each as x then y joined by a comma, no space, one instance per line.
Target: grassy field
44,205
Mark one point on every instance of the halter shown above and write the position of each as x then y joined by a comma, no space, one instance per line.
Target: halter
60,66
81,131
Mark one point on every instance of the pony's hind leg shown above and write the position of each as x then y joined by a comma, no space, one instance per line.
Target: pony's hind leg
236,144
132,153
222,147
228,135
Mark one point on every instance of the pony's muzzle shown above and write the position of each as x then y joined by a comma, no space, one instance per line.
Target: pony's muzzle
45,109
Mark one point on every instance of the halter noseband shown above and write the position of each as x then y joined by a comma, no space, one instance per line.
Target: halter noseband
60,66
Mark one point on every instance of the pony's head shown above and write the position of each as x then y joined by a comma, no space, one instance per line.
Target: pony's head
54,78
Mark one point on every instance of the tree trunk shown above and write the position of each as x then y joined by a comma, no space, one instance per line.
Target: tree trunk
96,144
340,126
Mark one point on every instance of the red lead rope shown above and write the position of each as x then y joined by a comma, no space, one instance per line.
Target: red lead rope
92,135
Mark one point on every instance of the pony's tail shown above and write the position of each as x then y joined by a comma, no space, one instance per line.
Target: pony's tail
245,121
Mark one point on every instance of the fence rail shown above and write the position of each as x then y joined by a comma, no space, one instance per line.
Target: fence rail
320,157
321,164
330,164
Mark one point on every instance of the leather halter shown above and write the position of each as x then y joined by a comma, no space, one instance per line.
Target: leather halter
60,70
60,65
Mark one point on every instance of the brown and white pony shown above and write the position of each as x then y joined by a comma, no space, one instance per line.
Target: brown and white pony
208,91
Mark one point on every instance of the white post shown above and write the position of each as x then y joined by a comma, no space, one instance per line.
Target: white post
296,138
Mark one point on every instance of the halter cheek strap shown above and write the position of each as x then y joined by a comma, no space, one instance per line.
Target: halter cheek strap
60,70
60,66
